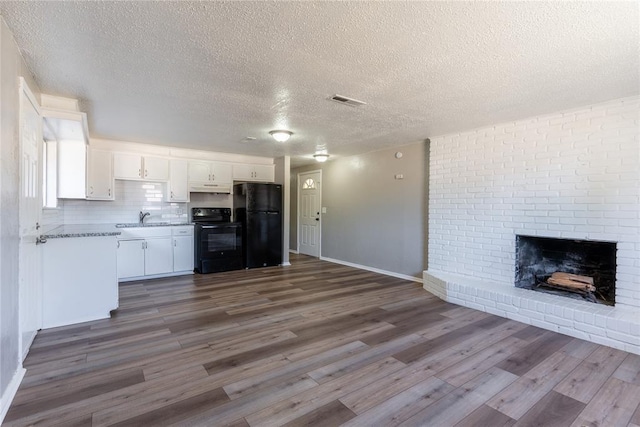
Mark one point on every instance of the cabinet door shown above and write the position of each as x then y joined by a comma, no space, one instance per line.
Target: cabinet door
178,177
72,178
156,169
100,175
242,172
158,257
199,172
221,172
264,173
130,258
127,166
183,253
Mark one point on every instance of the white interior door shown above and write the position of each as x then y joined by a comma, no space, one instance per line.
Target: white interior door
30,209
309,213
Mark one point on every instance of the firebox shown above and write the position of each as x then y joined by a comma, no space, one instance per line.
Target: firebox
585,269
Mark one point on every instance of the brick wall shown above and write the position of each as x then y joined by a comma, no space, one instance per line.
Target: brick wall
573,174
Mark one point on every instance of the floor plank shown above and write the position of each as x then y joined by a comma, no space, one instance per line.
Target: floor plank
486,416
585,381
460,403
315,343
332,414
613,405
553,410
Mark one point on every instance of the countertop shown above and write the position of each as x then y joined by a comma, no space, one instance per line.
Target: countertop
150,224
82,230
98,230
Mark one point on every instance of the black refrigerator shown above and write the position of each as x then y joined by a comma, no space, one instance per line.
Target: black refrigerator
259,208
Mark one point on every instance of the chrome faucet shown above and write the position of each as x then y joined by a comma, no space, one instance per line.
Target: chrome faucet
143,216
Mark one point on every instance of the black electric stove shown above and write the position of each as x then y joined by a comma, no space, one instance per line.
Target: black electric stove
218,241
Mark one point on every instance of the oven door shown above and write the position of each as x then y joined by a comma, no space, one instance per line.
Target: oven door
218,240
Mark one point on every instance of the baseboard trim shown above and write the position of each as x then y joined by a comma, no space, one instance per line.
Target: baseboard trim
28,347
10,392
156,276
293,251
373,269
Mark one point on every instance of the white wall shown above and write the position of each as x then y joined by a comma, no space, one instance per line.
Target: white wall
12,66
573,174
283,177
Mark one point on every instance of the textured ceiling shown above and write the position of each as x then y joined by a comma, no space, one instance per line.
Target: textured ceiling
206,75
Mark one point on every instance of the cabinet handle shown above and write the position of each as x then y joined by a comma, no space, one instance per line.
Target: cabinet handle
213,177
118,244
109,192
146,173
140,173
91,190
172,195
175,243
143,245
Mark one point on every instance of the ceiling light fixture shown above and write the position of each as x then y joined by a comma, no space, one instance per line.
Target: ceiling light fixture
281,135
321,157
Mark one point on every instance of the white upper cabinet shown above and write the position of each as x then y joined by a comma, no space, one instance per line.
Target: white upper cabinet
155,168
249,172
138,167
127,166
100,175
72,172
200,171
221,172
178,181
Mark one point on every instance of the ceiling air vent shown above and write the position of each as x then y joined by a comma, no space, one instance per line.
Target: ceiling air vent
345,100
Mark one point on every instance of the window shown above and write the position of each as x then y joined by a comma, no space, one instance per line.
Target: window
309,184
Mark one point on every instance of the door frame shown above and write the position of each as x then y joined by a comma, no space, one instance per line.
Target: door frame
298,185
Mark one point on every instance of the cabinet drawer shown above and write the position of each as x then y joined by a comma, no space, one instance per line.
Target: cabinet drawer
186,230
144,232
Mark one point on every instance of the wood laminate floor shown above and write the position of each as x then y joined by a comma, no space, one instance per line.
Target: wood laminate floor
316,343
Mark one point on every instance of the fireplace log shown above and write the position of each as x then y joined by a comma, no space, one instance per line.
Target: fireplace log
571,284
574,277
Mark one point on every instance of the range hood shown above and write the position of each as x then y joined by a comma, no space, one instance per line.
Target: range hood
202,187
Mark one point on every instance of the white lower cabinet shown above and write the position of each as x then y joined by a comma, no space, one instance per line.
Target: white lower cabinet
158,256
183,253
130,258
79,280
153,251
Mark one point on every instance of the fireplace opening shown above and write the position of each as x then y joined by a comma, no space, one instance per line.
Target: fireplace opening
580,269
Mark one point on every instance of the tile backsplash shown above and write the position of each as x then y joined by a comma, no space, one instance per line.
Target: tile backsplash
131,197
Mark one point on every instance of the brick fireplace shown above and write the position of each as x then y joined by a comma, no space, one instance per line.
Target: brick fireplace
572,176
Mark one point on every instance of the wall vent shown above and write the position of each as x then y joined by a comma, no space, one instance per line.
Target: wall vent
345,100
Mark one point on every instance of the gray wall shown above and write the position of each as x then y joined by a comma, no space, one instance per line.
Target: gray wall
373,219
11,67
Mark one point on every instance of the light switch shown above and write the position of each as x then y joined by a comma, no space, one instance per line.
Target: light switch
324,209
399,176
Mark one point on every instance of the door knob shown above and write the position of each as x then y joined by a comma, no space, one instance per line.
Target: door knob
317,219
